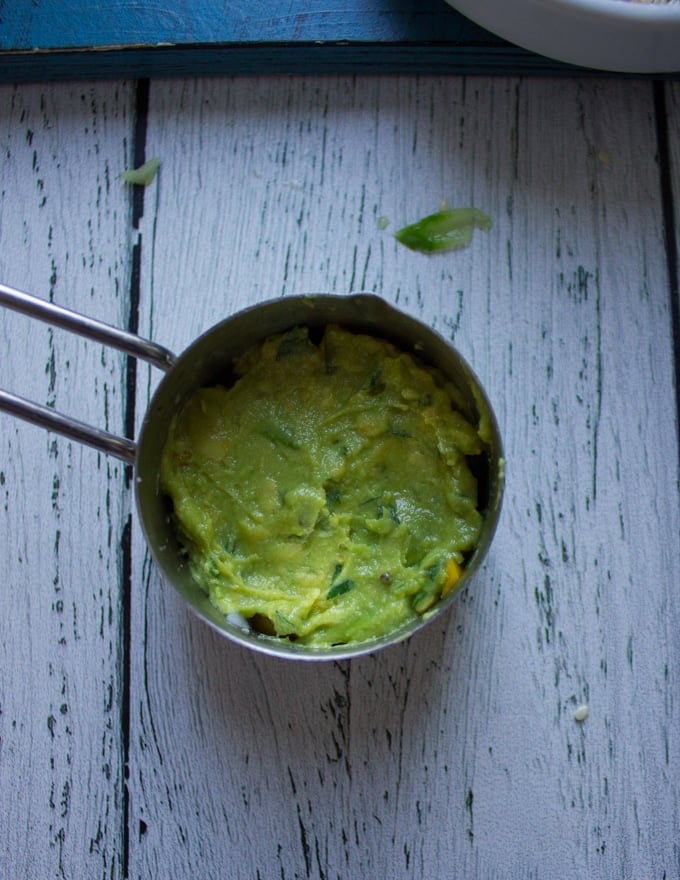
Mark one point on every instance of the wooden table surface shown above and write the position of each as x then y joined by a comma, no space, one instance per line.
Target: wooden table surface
137,743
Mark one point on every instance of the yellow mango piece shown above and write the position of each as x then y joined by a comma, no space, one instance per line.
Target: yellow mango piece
454,572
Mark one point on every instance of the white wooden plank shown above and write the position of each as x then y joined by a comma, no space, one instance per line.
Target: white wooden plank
579,338
64,228
457,752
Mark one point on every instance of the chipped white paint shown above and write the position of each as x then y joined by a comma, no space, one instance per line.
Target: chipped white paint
410,762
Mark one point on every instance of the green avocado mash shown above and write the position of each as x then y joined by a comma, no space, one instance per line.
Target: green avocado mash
326,496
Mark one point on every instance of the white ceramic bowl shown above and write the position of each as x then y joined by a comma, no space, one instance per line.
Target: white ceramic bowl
625,36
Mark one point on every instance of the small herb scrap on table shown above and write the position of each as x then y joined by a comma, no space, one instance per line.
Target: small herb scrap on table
143,175
449,229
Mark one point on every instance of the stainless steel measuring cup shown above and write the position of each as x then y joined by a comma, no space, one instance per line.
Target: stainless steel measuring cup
208,360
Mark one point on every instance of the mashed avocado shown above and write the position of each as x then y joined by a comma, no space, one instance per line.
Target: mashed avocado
326,495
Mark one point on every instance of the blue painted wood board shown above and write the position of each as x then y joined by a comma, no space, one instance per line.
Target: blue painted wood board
26,24
70,39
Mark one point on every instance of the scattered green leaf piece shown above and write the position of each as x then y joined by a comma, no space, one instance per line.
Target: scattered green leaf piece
448,230
143,175
340,588
383,222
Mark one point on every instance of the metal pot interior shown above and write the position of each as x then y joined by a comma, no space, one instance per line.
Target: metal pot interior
208,361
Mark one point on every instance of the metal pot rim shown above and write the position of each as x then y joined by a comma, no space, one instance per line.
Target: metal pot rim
214,351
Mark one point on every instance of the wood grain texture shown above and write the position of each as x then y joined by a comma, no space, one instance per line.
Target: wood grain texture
64,232
456,754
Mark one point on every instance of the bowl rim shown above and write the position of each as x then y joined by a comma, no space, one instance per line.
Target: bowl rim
612,36
623,10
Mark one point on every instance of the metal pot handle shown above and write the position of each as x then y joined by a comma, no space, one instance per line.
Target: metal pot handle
45,416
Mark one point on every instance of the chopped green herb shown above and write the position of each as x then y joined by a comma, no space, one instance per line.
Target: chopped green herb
340,588
392,511
398,432
376,385
143,175
229,544
333,496
280,435
422,601
447,230
282,625
337,570
296,341
432,571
